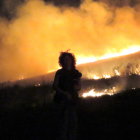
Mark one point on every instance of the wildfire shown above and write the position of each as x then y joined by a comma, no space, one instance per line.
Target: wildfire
31,41
93,93
117,72
88,59
96,77
106,76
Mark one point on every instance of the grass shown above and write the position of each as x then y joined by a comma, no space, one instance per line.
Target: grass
29,113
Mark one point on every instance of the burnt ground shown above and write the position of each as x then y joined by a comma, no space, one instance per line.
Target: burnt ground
107,117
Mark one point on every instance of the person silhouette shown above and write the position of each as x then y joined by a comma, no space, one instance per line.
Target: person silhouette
66,85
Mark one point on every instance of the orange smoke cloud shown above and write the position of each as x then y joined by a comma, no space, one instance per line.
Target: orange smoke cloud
31,42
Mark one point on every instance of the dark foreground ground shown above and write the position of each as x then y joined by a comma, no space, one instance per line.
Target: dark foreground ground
108,117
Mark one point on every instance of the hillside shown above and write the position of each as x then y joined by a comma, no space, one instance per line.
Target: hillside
122,64
113,117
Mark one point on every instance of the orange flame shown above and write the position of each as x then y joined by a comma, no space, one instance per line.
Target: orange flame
93,93
129,50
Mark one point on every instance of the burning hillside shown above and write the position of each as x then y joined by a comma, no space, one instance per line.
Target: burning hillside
104,77
116,66
94,30
107,68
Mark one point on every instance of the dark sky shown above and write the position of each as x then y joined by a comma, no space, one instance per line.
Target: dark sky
8,7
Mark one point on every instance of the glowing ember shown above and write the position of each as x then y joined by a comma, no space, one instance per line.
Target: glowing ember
96,77
106,76
117,72
92,93
37,85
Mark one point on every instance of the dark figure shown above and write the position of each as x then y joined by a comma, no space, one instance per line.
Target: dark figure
67,84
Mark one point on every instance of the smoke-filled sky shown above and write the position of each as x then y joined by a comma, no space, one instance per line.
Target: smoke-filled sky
33,32
8,7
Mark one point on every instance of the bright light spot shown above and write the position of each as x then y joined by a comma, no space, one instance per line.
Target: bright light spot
117,72
106,76
93,93
37,85
87,59
21,77
96,77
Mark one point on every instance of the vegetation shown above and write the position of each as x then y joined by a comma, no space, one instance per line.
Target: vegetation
29,113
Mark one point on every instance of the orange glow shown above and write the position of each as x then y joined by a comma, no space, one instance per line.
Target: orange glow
85,59
93,93
32,41
21,77
129,50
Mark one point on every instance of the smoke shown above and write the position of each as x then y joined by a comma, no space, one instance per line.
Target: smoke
31,41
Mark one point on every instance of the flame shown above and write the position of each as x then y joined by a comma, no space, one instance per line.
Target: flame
96,77
106,76
93,93
82,60
88,59
117,73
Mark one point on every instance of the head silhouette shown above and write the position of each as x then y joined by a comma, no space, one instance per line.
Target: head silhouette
67,60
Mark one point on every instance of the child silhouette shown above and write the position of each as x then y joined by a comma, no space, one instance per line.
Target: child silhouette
67,84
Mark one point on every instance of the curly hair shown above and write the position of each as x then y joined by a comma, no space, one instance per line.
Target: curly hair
63,55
